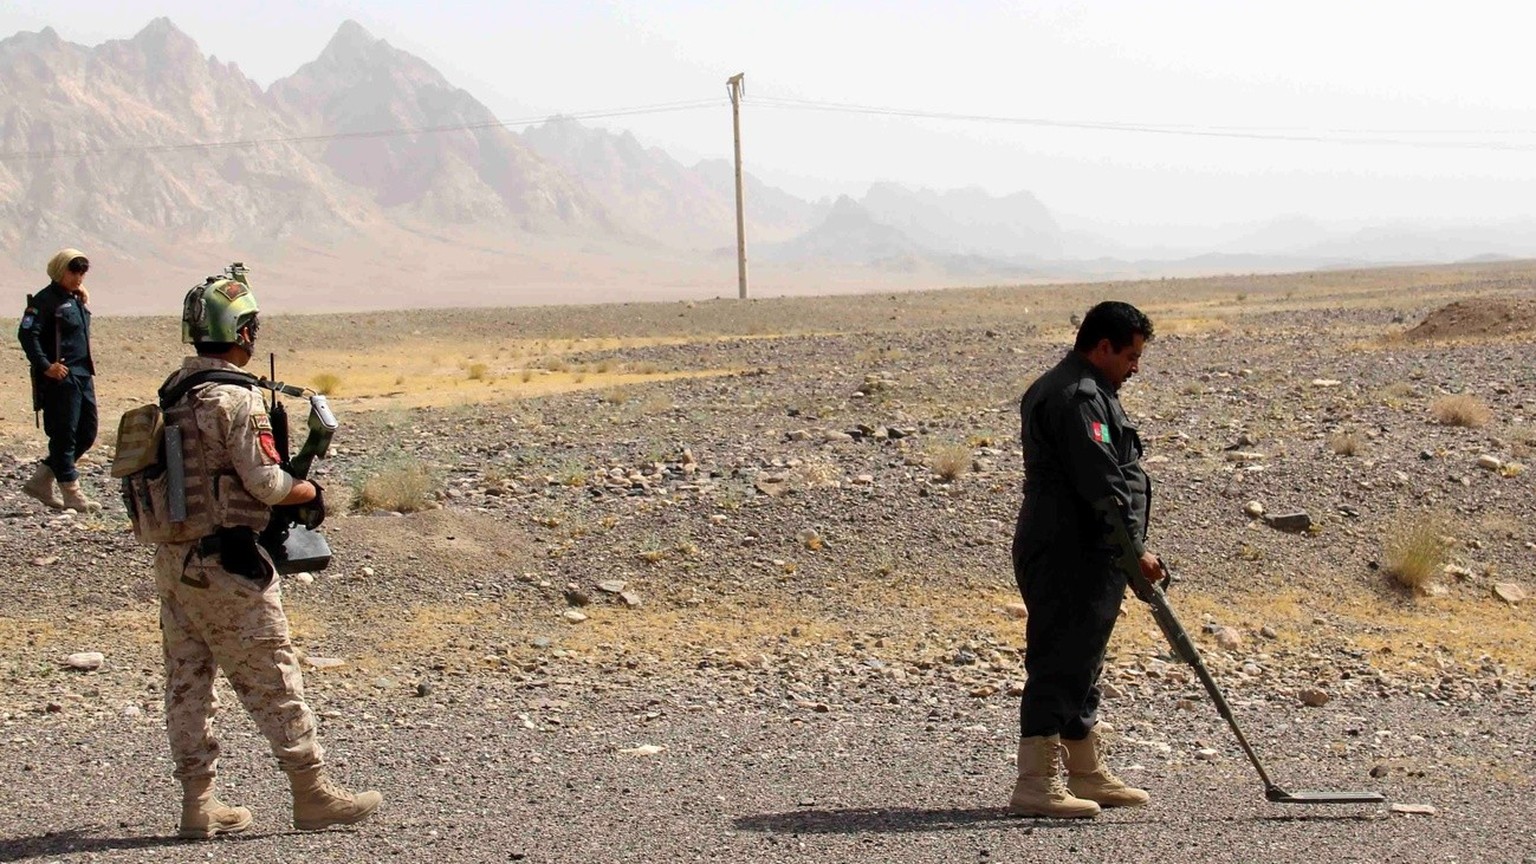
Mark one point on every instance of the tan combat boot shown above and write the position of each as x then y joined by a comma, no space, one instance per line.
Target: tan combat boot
318,803
1039,790
76,499
42,487
204,816
1088,777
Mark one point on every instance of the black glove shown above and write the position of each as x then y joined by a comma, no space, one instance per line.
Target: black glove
311,514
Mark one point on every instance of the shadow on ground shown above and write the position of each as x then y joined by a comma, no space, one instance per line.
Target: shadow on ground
905,820
79,840
892,820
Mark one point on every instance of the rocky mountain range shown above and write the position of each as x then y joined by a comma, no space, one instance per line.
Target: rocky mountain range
367,167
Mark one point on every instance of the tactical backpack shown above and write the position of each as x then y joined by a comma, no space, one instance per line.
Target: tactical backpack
149,462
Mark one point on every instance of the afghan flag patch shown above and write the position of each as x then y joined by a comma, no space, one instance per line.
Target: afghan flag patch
1098,432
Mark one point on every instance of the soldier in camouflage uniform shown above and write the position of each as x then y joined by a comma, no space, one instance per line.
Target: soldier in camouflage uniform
1083,483
220,599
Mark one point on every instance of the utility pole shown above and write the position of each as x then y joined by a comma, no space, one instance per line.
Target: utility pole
737,88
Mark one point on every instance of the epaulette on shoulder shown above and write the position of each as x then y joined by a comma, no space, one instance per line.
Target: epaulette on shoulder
1084,387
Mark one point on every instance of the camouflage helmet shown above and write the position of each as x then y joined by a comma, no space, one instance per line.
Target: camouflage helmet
216,310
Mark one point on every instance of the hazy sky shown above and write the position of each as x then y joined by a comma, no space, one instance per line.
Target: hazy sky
1421,72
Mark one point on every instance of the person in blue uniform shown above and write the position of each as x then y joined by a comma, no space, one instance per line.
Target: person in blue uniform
55,336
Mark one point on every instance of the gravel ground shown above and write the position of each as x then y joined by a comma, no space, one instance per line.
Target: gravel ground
793,576
770,782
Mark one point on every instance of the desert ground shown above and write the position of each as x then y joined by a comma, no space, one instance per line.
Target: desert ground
729,581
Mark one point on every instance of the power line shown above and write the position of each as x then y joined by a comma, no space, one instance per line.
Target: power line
1283,134
1377,137
64,153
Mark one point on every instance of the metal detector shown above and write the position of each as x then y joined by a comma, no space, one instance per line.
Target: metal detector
1156,597
1122,551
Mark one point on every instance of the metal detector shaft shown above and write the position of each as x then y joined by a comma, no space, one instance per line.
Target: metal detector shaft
1124,554
1156,597
1184,649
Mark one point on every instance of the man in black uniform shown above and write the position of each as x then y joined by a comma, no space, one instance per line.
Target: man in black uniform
55,334
1082,481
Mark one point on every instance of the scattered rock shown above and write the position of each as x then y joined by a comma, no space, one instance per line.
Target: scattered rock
1489,463
1380,770
1245,456
1268,632
1326,382
1206,754
612,586
1254,509
48,561
424,688
85,661
1292,523
644,750
324,662
573,616
772,485
575,596
1017,610
1228,639
1509,592
1314,697
631,599
1414,809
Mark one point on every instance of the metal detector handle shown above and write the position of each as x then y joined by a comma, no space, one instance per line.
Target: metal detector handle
322,426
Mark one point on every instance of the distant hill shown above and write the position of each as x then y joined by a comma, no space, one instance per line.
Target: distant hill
653,195
469,169
120,111
968,221
366,179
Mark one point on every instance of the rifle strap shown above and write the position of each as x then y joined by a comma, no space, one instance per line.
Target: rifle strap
170,395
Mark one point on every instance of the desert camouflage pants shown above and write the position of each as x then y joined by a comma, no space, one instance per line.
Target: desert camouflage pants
211,619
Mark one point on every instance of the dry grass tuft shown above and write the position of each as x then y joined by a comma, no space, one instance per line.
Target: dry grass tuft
399,483
477,371
326,383
1345,443
1414,552
949,461
1460,410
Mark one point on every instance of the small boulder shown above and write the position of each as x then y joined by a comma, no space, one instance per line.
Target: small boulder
85,661
1509,592
1292,523
1228,639
1314,697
